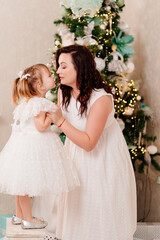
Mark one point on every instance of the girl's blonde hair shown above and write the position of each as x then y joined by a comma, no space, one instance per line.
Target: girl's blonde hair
26,87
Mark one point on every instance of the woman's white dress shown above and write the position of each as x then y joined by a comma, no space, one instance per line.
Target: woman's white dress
104,207
35,163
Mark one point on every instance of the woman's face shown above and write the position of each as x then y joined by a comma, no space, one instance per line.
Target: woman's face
66,70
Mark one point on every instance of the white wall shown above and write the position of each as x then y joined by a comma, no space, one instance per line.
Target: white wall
144,19
26,34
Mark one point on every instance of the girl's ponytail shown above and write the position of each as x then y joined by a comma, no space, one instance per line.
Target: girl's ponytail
15,92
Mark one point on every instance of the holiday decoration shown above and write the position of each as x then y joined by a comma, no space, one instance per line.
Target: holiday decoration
121,42
129,66
96,24
121,123
50,96
120,3
116,64
56,129
158,180
139,98
128,111
124,27
100,64
152,149
82,7
147,158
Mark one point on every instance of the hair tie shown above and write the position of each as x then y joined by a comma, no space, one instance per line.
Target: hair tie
21,76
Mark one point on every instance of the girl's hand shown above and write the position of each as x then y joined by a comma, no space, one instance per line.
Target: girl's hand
56,117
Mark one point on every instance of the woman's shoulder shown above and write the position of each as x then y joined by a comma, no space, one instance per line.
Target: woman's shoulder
100,91
97,93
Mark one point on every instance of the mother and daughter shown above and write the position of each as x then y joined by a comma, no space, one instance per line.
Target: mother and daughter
92,174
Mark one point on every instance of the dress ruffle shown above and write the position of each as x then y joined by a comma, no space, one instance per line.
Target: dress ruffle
33,107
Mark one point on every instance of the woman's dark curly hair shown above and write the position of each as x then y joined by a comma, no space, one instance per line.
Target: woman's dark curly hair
88,77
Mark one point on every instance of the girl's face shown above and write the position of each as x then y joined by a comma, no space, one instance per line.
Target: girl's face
48,80
66,70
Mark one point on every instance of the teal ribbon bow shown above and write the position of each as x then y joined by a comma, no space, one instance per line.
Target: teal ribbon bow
121,43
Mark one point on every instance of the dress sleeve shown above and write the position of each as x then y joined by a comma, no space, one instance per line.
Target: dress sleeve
97,94
33,107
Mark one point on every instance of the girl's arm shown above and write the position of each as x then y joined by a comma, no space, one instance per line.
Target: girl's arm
96,121
42,122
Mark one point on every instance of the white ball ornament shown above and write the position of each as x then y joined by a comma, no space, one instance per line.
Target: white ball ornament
121,123
138,98
100,47
120,3
50,96
57,42
102,26
130,66
128,111
124,27
147,111
100,63
152,149
108,8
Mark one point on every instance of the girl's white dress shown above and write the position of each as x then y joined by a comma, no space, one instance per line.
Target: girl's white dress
104,207
35,163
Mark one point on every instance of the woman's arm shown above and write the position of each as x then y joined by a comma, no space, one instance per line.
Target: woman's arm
59,93
96,121
42,122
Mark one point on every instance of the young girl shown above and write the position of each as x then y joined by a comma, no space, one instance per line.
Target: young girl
33,162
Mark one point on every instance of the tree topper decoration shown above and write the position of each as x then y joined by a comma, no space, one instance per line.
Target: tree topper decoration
82,7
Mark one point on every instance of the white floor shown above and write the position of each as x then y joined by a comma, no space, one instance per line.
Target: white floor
147,231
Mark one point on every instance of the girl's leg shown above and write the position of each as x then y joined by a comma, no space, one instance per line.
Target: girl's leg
18,208
25,204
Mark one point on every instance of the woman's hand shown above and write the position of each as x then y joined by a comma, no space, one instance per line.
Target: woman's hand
56,117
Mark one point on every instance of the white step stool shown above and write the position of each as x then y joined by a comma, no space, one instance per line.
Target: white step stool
15,232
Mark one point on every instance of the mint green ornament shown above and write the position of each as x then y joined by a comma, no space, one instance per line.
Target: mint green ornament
63,12
121,43
82,7
120,3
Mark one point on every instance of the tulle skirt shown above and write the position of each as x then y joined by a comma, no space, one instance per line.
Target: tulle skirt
34,163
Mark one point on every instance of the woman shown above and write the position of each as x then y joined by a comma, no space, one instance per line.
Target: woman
104,207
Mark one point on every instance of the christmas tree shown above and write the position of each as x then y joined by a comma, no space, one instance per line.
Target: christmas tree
96,24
